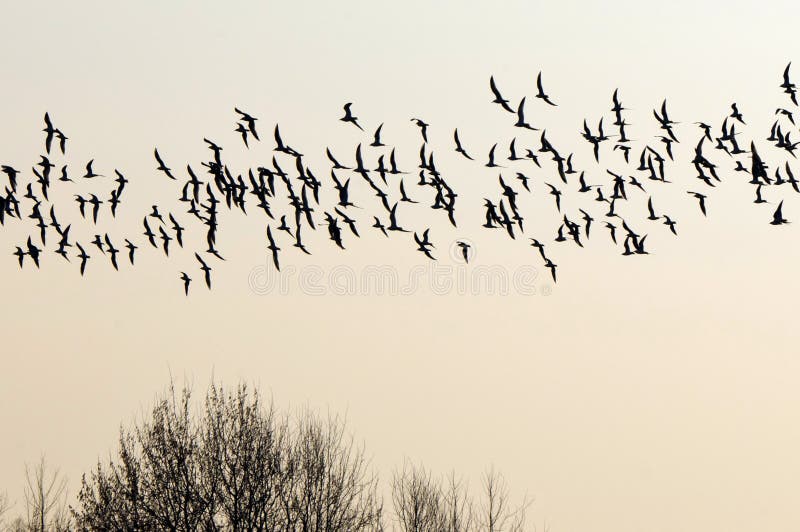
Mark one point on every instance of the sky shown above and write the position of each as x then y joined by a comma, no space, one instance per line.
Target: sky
651,392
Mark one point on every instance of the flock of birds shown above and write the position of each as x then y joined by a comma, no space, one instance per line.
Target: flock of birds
29,199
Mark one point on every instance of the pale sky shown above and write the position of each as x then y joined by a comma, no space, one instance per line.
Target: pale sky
638,393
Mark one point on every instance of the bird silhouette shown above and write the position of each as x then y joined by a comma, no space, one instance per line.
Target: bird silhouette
465,248
540,91
89,172
348,116
161,166
206,270
777,216
249,120
498,98
186,281
459,147
274,249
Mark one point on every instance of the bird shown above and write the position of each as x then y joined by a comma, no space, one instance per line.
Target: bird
155,214
336,164
759,199
735,114
380,226
552,267
131,249
670,223
89,172
491,163
424,244
777,216
98,242
161,166
702,199
206,270
348,116
241,129
650,209
177,228
557,193
393,220
33,252
639,246
464,250
334,231
423,128
351,223
524,180
12,176
62,141
538,245
613,231
20,255
112,251
459,147
787,86
114,202
165,238
376,141
588,219
186,281
785,112
249,120
521,117
664,120
95,202
49,130
540,91
64,244
149,233
273,249
498,98
403,195
83,256
281,146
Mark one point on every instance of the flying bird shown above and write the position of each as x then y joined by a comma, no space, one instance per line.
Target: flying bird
701,198
161,166
83,256
186,281
540,91
464,250
89,172
376,141
459,147
498,98
249,120
777,216
273,249
348,116
206,270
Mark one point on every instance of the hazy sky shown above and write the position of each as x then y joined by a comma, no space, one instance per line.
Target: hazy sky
642,393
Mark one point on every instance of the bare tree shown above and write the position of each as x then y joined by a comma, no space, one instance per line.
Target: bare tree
45,498
423,503
328,484
496,514
243,443
237,467
458,506
5,505
418,500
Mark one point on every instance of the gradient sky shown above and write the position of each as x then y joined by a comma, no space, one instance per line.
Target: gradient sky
646,393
